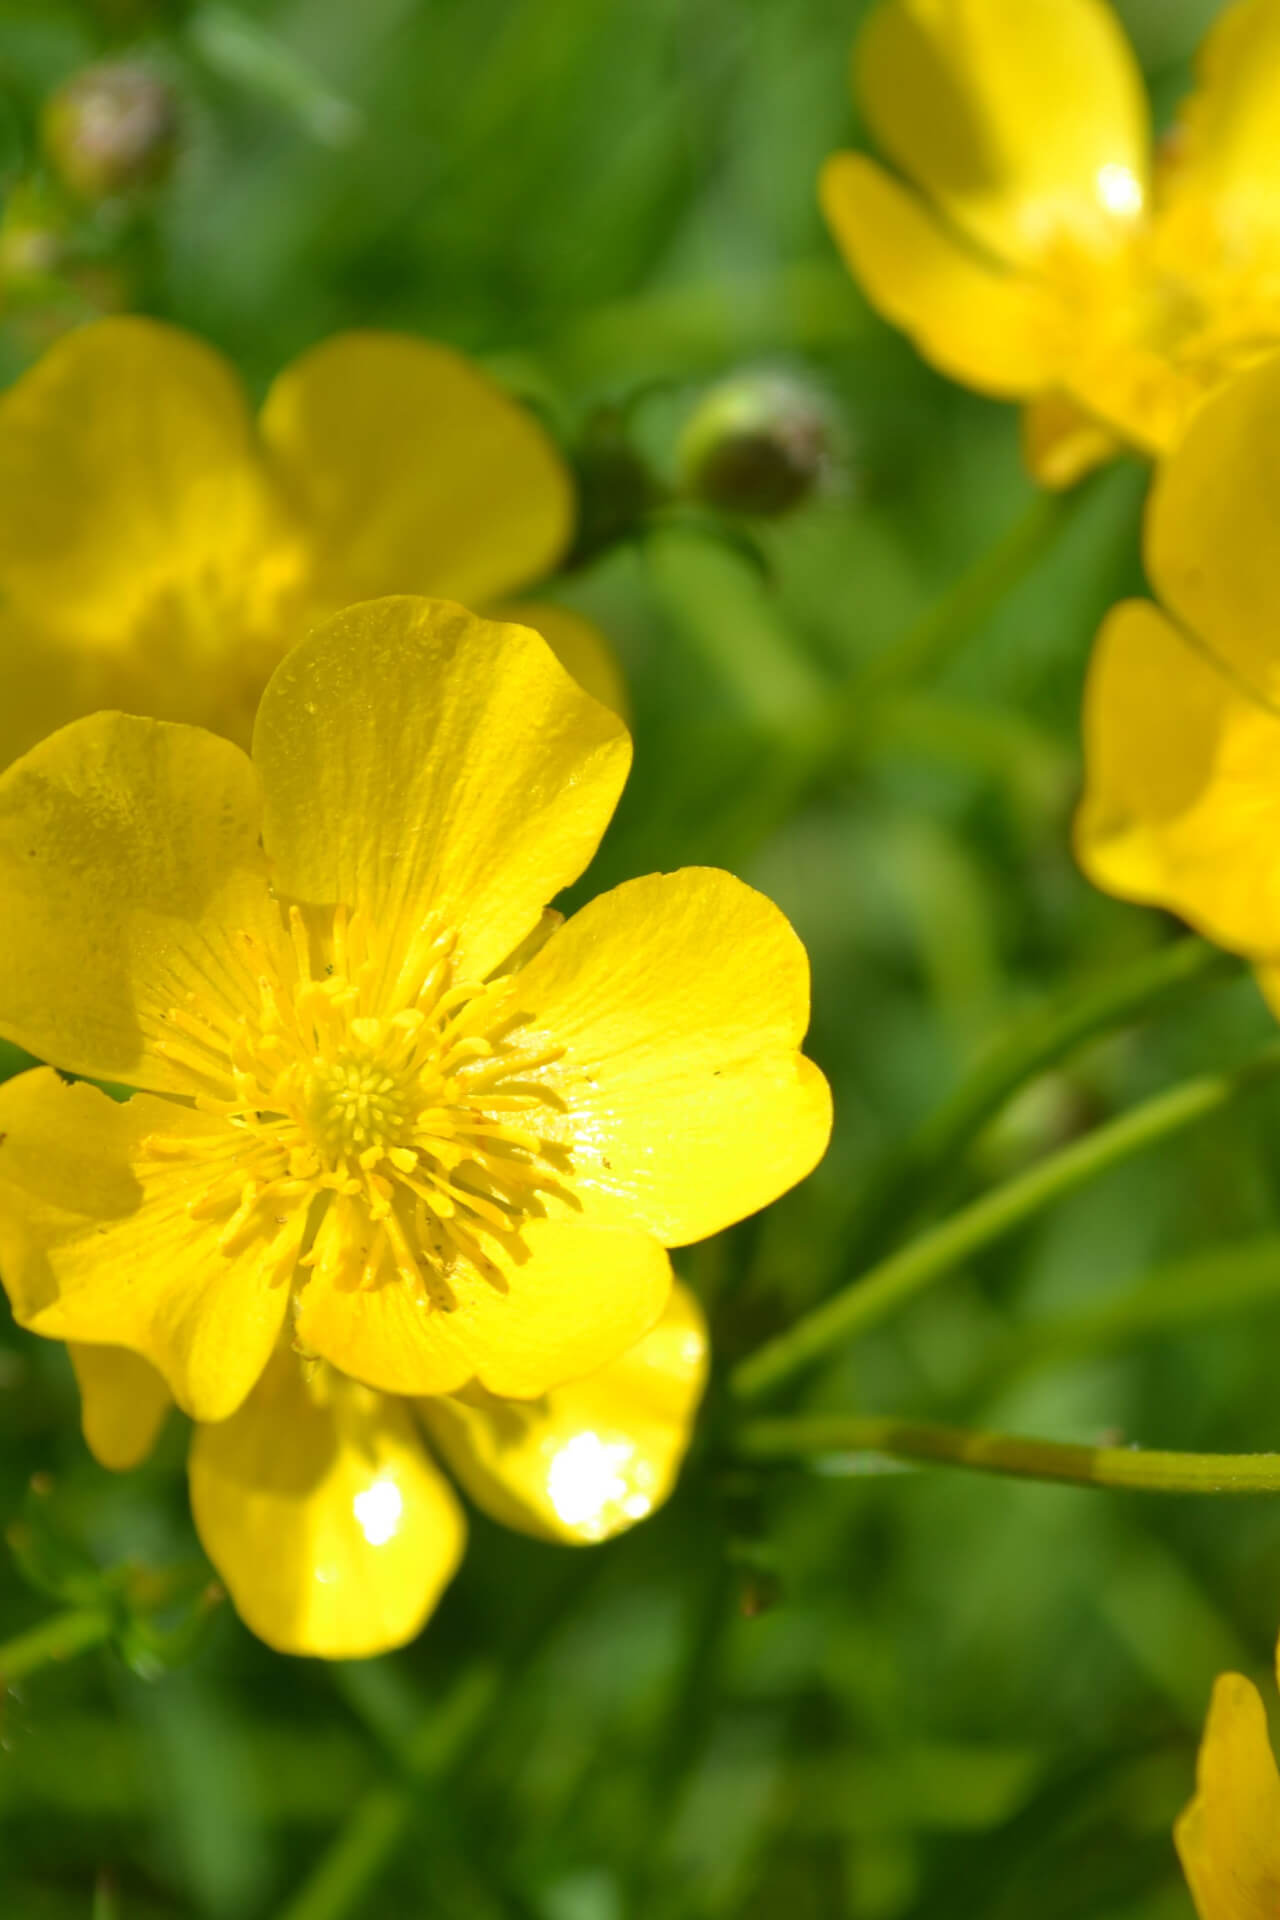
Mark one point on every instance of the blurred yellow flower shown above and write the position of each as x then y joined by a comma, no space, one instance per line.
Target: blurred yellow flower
1182,708
329,1522
1040,252
1229,1837
160,550
385,1106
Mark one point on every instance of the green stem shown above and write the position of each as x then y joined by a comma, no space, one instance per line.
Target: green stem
60,1638
906,1273
1004,1454
902,1185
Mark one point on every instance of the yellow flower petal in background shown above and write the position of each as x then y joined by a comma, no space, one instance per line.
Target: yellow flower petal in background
991,329
332,1530
560,1300
473,787
578,645
1213,527
1182,805
123,1403
128,468
100,1240
132,880
589,1459
1229,1837
1061,443
1023,120
415,473
1227,143
677,1004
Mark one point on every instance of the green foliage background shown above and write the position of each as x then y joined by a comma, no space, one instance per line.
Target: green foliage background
891,1697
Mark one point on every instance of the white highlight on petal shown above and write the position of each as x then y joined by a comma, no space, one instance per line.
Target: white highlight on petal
586,1478
1120,190
378,1510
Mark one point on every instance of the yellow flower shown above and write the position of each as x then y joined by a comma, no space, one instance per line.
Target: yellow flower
1182,708
385,1107
160,550
1229,1837
1040,253
326,1516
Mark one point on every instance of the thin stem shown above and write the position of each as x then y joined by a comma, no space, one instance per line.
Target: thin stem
1132,1467
901,1187
935,1252
59,1638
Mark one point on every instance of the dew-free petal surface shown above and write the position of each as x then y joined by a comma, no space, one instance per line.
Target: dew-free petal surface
679,1002
132,883
1227,142
589,1459
574,1297
331,1528
971,319
416,760
98,1242
1229,1837
123,1403
1021,120
1182,795
415,472
578,645
128,465
1061,442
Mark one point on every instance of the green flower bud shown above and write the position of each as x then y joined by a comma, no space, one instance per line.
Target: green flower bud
111,129
758,443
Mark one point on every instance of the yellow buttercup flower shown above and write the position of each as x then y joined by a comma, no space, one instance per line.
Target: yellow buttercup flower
160,550
1182,707
1229,1837
386,1108
329,1521
1040,252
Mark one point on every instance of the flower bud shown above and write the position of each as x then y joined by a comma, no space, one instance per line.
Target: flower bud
758,443
111,129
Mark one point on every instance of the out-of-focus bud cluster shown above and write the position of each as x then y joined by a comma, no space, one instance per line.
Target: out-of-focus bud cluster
112,129
759,443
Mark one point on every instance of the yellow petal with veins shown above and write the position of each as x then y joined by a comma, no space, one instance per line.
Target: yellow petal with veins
133,889
416,760
332,1530
415,473
995,330
588,1459
123,1403
676,1004
1229,1837
578,645
1024,121
103,1238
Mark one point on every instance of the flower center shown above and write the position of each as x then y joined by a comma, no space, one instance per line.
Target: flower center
406,1101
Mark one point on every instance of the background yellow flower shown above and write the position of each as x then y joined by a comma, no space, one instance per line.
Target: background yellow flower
1040,252
1229,1837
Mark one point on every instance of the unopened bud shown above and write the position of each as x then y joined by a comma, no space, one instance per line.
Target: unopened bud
759,443
112,129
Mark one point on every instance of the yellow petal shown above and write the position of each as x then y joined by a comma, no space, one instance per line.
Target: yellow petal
123,1403
1182,797
1229,1837
1226,145
418,761
44,682
415,472
332,1530
1061,443
578,645
994,330
98,1242
1021,120
569,1300
132,884
1213,526
678,1002
589,1459
128,466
